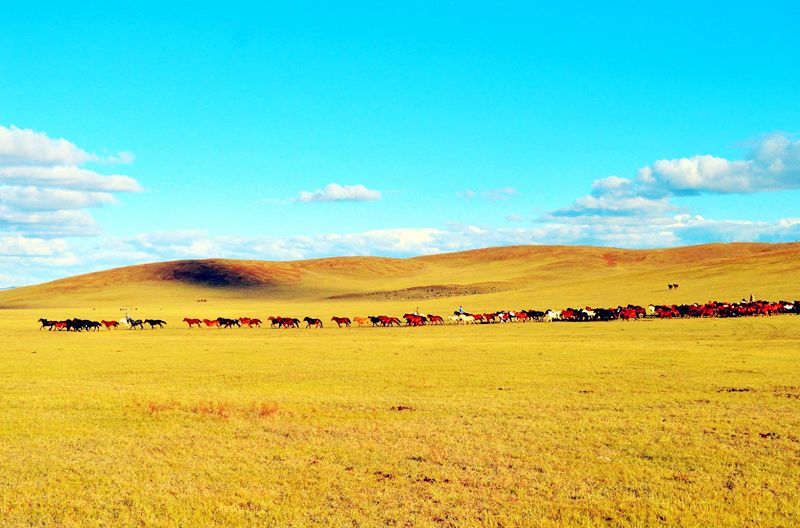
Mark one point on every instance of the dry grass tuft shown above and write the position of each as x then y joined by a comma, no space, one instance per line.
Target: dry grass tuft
155,407
210,408
266,409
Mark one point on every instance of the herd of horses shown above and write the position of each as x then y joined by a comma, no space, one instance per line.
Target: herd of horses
85,325
624,313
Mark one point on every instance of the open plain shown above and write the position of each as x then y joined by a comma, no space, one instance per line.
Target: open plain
643,423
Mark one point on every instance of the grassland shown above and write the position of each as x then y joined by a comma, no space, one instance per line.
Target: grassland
673,423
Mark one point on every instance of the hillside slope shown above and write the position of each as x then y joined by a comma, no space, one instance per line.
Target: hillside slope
503,277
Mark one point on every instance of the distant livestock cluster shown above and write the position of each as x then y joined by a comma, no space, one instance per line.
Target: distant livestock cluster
459,317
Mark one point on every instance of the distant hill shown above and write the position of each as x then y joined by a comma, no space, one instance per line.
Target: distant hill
504,276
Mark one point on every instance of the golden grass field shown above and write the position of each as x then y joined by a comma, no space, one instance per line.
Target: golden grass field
647,423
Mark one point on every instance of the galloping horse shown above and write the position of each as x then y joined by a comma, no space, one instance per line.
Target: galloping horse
435,319
389,321
414,320
133,323
46,323
155,323
109,324
210,322
192,322
310,321
341,321
227,323
361,321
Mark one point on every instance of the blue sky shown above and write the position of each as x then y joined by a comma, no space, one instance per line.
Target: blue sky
144,133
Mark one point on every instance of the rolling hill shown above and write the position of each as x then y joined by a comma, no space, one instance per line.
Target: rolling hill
518,276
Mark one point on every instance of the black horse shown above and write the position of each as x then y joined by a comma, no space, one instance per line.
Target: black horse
155,323
79,325
310,321
46,323
228,323
134,323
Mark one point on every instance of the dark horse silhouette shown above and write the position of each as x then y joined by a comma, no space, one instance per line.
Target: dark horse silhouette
310,321
134,323
228,323
46,323
155,323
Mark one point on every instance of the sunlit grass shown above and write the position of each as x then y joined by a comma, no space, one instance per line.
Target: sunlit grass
691,423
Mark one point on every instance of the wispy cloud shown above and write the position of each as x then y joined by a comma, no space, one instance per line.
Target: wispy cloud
334,192
494,195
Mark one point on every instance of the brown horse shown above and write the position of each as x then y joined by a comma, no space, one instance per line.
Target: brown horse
191,322
109,324
341,321
361,321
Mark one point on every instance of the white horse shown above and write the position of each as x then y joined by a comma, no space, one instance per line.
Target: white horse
466,319
551,316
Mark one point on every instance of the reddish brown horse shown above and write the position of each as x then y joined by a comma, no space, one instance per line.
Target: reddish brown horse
109,324
210,322
436,319
190,322
414,319
341,321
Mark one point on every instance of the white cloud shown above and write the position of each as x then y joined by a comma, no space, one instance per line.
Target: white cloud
19,246
69,177
120,158
333,192
773,164
28,147
44,199
53,223
493,195
45,191
614,205
613,197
